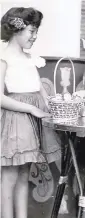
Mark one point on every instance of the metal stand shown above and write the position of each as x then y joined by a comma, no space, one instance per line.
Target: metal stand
68,156
77,174
65,167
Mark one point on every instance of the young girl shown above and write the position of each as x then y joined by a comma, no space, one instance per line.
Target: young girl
24,103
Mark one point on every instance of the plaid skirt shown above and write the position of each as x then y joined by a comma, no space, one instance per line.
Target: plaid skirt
20,138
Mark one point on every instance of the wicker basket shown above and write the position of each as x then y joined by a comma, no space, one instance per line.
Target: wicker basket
61,109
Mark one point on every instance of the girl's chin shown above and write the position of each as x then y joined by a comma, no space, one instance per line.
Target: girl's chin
28,46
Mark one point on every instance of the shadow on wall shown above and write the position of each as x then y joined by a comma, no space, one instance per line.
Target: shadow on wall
48,71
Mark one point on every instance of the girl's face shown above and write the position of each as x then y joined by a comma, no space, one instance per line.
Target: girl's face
27,37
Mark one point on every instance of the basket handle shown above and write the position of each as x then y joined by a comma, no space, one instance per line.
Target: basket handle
55,70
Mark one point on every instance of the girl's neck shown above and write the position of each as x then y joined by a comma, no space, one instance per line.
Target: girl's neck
14,46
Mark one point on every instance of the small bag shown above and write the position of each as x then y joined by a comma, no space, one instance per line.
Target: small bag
62,109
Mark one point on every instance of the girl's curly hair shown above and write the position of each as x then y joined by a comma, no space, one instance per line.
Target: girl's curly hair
30,16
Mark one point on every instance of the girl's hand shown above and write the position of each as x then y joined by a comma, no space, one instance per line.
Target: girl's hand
39,113
47,105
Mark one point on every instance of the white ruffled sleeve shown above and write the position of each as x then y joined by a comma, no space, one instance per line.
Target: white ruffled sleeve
38,61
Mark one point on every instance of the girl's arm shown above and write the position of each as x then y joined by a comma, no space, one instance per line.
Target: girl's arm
44,95
11,104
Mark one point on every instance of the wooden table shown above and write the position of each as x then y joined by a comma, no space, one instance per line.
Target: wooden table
68,157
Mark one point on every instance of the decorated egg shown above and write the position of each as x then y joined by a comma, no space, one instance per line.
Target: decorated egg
80,94
59,97
76,97
67,96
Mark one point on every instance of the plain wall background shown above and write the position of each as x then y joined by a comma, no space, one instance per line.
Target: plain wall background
59,34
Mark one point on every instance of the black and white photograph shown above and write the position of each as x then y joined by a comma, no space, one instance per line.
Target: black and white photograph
42,76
